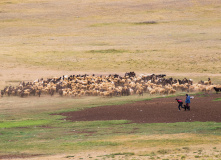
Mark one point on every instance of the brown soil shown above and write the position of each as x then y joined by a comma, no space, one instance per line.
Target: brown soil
159,110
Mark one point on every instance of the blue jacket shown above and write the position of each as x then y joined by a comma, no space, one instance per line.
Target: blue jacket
187,99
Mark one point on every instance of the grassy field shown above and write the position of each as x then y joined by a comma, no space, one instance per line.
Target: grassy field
28,128
46,38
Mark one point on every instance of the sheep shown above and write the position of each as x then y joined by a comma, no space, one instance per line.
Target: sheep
172,91
206,82
192,88
140,91
106,93
82,93
153,91
131,91
60,92
26,93
162,91
175,86
65,93
209,88
111,85
38,92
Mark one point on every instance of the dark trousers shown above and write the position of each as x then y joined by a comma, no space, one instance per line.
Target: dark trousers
180,105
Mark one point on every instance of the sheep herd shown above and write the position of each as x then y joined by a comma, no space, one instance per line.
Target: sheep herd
107,86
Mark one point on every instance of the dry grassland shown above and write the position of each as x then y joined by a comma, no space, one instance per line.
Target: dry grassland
154,36
46,38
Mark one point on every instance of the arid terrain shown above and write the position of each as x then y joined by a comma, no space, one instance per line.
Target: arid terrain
52,38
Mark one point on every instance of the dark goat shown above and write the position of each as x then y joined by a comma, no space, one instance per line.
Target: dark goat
39,92
217,89
2,92
130,74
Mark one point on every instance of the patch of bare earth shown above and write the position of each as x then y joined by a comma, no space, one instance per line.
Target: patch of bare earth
159,110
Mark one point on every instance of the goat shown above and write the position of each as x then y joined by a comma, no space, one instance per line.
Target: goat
217,89
2,93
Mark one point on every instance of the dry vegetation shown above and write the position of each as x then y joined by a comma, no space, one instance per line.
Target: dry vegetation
109,36
46,38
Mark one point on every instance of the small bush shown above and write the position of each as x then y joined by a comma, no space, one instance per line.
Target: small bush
183,157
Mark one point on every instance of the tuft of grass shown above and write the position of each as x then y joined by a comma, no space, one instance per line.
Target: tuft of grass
186,148
183,157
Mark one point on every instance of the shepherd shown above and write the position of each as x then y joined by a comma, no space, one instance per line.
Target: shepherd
180,102
187,101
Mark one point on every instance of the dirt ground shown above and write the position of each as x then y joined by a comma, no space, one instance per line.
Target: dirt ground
159,110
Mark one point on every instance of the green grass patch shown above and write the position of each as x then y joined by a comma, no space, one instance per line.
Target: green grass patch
217,99
119,154
97,143
25,123
61,136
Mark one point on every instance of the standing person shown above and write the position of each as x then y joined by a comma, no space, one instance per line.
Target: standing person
180,102
187,106
209,80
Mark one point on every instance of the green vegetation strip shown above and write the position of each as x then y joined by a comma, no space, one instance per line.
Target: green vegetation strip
217,99
25,123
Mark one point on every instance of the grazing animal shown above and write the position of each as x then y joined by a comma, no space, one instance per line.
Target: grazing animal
217,89
112,85
38,92
60,91
2,93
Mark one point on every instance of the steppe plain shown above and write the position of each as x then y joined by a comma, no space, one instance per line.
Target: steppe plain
51,38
